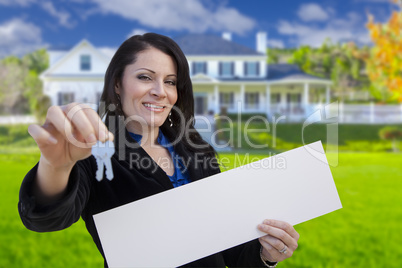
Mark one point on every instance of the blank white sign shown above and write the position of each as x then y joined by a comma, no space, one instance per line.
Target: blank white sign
196,220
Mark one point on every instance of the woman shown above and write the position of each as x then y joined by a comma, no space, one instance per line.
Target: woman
148,107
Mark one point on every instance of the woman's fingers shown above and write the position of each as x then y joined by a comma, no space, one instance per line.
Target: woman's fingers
40,135
282,231
288,228
75,113
101,130
276,244
78,124
57,118
271,253
280,241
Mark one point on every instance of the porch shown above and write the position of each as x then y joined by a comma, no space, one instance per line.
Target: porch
294,100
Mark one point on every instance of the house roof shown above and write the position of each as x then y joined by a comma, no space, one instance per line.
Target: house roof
283,71
205,44
63,57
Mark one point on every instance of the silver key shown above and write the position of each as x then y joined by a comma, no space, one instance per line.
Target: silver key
109,152
99,171
102,153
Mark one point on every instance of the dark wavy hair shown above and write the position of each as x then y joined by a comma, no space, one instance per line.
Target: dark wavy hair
184,119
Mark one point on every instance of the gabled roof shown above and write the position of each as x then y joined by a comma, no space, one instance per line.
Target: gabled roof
206,44
64,57
283,71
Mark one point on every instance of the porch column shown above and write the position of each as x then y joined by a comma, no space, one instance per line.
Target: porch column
268,100
327,95
242,97
305,99
216,99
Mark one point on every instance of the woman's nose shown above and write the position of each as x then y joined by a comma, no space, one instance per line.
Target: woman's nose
158,89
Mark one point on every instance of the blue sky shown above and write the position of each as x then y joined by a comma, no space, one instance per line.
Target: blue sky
26,25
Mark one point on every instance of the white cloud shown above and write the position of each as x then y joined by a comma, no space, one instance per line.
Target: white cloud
19,37
22,3
136,32
338,30
191,15
312,12
62,16
275,43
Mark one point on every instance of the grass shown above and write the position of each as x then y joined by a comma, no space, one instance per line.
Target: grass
20,247
365,233
347,137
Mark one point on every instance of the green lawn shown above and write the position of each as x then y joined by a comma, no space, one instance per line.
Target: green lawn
365,233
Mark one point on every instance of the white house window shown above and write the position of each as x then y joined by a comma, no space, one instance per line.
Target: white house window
226,68
251,68
293,99
85,63
65,98
199,67
226,99
275,98
252,100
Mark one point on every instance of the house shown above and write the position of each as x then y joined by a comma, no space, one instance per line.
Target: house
227,77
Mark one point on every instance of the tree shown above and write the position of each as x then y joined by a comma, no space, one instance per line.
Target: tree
20,86
337,62
12,86
384,64
36,62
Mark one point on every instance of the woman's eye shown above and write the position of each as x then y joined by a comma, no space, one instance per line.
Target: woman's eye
144,77
170,82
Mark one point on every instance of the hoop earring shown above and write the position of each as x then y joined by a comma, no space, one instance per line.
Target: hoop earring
170,119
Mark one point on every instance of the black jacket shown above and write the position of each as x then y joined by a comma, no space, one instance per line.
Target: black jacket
85,196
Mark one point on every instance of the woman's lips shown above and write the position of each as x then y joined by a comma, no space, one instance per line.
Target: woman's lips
154,107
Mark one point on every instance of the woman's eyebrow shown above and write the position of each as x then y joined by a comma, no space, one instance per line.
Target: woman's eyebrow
149,70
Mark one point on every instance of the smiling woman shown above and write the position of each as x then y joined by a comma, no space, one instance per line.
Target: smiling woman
149,111
148,89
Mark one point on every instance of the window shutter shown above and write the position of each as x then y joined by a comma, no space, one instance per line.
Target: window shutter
220,68
59,98
245,69
193,68
258,68
232,68
205,68
257,98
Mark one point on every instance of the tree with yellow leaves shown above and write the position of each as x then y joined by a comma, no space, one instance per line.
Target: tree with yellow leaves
384,64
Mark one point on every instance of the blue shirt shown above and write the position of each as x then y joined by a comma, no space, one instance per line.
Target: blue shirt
180,175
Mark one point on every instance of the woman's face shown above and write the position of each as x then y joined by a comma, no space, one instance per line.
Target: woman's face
148,89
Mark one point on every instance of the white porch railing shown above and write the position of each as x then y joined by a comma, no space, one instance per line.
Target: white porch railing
17,119
372,113
344,113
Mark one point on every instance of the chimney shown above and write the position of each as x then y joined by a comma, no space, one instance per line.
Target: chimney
227,36
261,41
